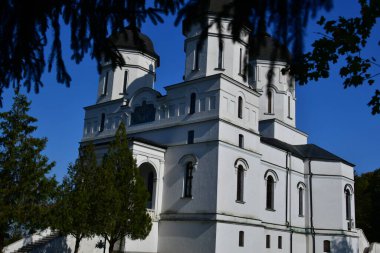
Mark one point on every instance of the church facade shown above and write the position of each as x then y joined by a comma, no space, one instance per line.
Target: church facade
225,165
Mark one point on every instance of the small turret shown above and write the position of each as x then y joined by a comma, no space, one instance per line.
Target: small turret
211,57
139,70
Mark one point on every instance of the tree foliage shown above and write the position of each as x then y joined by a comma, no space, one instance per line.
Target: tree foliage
26,193
345,38
24,36
120,208
367,205
74,207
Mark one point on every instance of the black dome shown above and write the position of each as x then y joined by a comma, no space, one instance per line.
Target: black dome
264,47
202,8
131,38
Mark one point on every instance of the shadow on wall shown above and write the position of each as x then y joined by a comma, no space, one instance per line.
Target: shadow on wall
57,245
341,245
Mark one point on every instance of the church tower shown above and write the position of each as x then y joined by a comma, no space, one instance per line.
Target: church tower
268,58
139,70
213,55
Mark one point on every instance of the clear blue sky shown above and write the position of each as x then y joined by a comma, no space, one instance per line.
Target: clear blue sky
336,119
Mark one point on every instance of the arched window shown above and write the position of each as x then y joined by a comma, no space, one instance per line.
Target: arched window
193,98
300,201
220,55
270,101
270,193
148,173
240,184
188,180
348,204
240,107
326,246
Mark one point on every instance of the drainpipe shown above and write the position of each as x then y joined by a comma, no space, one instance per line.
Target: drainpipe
311,206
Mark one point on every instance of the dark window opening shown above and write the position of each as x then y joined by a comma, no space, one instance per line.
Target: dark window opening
326,246
280,242
193,98
241,141
270,101
196,58
348,204
270,193
220,55
125,84
188,180
241,238
300,202
267,241
289,107
241,61
240,183
105,86
240,108
102,122
190,137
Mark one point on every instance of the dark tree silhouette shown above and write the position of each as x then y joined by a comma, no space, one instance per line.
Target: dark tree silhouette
24,26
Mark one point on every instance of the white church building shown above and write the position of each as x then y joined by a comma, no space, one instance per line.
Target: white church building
226,167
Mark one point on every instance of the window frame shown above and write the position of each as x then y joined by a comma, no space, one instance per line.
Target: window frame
188,183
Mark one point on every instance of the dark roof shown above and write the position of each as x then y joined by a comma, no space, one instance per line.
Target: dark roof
139,139
265,47
131,38
200,9
306,151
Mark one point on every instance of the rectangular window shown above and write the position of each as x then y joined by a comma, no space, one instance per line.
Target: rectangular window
267,242
220,55
241,141
241,61
241,238
326,246
289,107
280,242
125,84
190,137
196,59
102,122
105,85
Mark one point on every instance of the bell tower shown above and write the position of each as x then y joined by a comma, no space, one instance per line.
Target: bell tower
214,55
267,60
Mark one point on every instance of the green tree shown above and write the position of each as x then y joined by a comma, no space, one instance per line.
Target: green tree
120,208
367,195
345,39
26,193
73,213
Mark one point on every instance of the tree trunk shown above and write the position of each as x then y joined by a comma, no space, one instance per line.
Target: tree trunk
2,238
111,245
77,244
